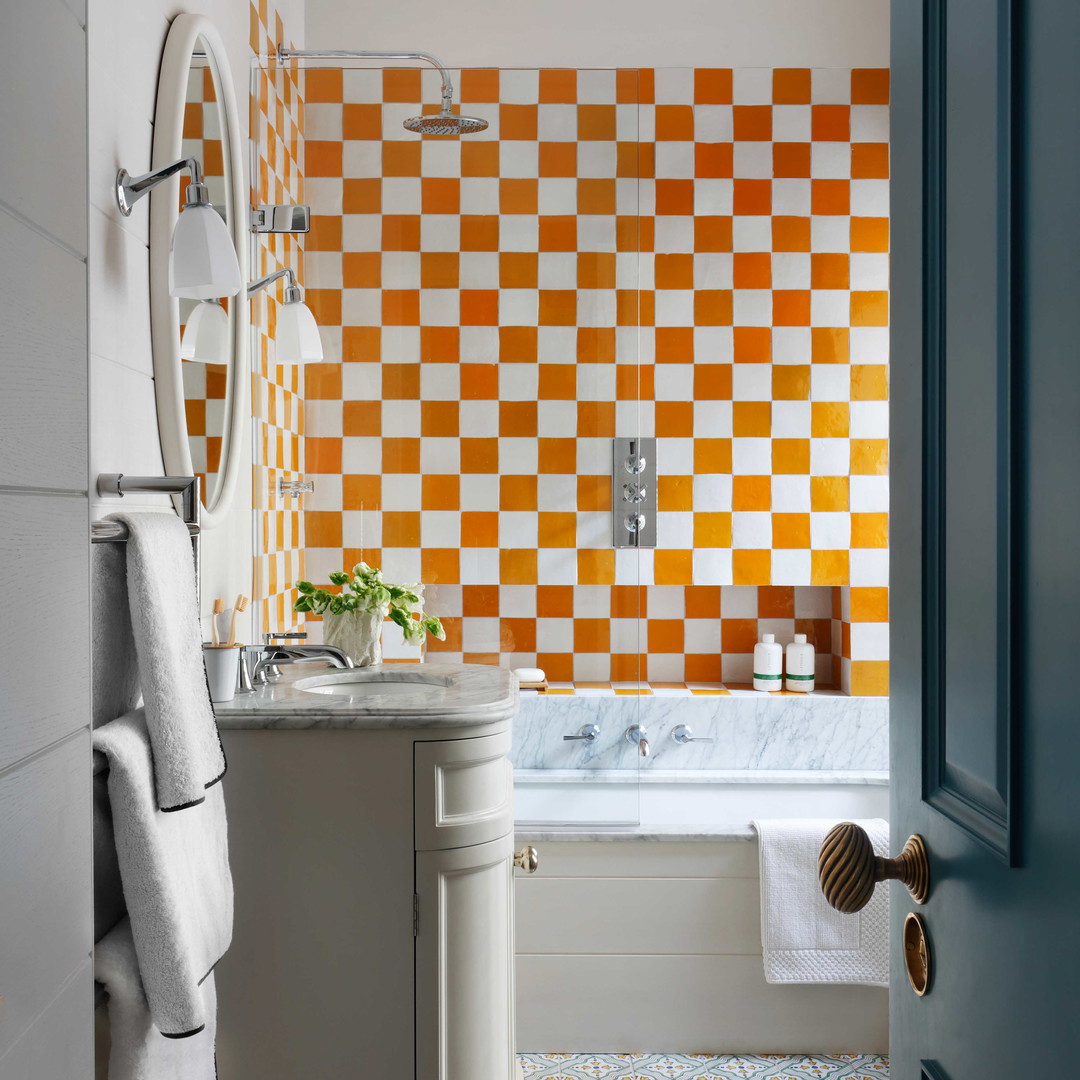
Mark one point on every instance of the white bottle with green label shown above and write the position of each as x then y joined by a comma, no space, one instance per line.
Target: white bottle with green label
768,664
800,665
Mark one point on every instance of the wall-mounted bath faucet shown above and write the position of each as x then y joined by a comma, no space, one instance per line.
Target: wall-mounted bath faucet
637,734
586,733
684,734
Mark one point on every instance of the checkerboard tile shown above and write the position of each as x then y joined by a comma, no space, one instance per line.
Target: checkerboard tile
699,255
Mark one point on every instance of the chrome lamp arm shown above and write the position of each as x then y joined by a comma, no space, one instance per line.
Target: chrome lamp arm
130,189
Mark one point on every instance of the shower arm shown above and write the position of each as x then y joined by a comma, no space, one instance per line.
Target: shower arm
284,54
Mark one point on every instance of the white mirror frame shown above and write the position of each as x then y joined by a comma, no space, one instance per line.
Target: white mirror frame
184,33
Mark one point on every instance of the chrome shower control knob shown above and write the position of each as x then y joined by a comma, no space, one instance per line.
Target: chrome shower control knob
634,522
683,734
634,493
635,464
586,733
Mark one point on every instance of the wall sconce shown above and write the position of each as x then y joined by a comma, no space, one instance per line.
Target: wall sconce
206,334
297,332
202,260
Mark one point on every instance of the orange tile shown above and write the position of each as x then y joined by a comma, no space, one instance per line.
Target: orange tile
869,604
517,418
674,492
517,270
790,530
479,601
712,456
752,345
791,233
479,455
401,528
776,601
869,161
752,270
791,307
479,159
558,159
829,493
479,382
665,635
592,635
870,530
713,160
479,84
452,627
791,456
401,232
322,528
712,86
595,270
440,195
558,233
673,271
359,491
675,197
751,567
517,122
628,667
828,567
751,419
596,123
554,602
517,344
362,196
830,197
870,86
830,123
791,160
322,158
558,307
439,418
869,382
400,158
440,344
791,382
596,196
400,307
712,529
870,678
752,197
627,160
712,382
518,635
438,270
479,528
440,565
738,635
791,86
829,345
594,493
479,232
517,196
829,271
753,123
517,492
869,234
361,269
325,305
323,455
702,601
361,122
517,566
703,667
558,86
829,419
322,382
558,382
713,307
558,456
479,307
322,85
870,308
596,419
751,493
675,345
557,530
675,122
401,84
401,455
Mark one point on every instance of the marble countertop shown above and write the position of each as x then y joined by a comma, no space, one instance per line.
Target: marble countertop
561,834
470,695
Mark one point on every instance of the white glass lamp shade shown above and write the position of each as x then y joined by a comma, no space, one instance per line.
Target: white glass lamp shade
206,334
202,263
297,334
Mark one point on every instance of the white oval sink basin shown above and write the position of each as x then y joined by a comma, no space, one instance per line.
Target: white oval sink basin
359,684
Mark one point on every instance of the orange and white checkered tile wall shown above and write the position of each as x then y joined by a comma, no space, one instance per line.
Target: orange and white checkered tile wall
277,135
699,255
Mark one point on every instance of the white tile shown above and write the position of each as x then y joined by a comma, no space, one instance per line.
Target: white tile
478,269
517,307
870,123
751,529
479,491
596,232
556,566
739,602
557,123
323,121
830,382
713,419
479,195
791,494
712,492
519,86
714,196
869,420
361,307
519,158
713,123
752,307
596,86
791,344
400,269
869,494
830,307
598,160
361,381
813,602
870,198
712,566
830,233
479,419
752,457
361,232
870,641
361,159
674,86
519,232
675,457
830,86
791,419
829,457
830,531
830,161
440,158
752,160
479,344
520,600
674,160
440,232
557,195
791,123
401,492
751,382
674,529
440,528
361,455
869,344
401,195
674,233
518,455
751,232
752,85
555,491
401,344
518,382
557,419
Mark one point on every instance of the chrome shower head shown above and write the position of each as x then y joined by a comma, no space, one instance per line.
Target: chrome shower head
445,123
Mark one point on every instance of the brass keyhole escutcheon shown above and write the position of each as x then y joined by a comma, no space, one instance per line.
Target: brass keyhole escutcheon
916,953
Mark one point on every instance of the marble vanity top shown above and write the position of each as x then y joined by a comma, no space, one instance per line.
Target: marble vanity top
462,695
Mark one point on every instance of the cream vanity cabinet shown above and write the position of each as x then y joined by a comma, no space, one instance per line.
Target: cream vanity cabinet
373,864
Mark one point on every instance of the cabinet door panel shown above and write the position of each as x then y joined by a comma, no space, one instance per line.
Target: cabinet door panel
465,963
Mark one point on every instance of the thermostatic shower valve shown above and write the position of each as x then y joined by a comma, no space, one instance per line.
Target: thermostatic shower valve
633,488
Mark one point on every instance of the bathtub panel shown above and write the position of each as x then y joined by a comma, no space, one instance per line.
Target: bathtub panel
645,859
638,916
688,1004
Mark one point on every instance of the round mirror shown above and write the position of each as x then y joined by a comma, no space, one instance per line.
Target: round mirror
200,369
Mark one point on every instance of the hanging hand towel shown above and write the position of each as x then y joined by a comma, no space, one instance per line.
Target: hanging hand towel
803,939
175,873
163,599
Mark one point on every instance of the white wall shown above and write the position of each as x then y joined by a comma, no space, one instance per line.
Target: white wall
613,33
125,41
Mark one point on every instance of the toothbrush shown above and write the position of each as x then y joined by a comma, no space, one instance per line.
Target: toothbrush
219,607
240,605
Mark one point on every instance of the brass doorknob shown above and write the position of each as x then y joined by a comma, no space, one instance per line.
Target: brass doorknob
527,859
848,869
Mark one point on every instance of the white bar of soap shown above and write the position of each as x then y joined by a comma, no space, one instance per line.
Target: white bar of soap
530,674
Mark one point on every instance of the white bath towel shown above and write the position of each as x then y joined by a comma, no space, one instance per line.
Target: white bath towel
803,939
175,873
137,1050
163,599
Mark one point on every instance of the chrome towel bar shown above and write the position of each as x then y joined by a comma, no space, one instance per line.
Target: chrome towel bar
119,485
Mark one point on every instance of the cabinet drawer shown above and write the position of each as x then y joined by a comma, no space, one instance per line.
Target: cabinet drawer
464,792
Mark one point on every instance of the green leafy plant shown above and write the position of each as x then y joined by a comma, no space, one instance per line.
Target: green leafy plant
364,591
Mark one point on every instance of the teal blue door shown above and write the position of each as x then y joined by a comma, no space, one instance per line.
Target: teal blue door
986,531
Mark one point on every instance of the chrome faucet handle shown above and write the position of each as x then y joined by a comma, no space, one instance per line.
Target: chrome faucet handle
684,734
283,635
637,734
586,733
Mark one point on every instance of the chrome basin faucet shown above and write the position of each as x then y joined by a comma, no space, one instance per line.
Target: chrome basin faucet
265,662
637,734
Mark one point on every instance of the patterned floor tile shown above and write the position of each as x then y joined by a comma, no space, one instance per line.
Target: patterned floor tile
702,1067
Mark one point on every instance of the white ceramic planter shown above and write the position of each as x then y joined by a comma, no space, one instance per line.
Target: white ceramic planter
357,633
